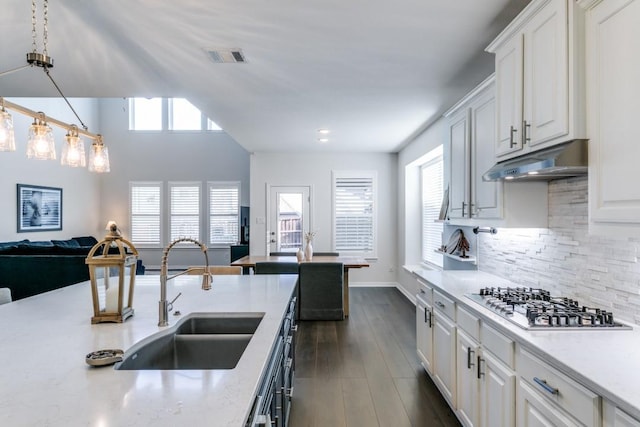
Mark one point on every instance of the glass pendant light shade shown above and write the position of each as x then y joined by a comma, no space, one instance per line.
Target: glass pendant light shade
7,139
40,144
73,151
99,157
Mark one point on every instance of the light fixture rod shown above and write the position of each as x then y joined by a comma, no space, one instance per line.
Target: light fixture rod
46,70
50,120
4,73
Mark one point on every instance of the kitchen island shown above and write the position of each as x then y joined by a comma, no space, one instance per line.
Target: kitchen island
44,379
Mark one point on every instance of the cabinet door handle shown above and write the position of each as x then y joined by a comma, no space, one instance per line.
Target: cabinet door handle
512,139
545,386
430,315
425,315
480,373
469,356
473,210
525,127
463,205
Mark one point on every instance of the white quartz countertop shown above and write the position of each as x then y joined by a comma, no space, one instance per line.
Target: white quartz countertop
44,380
605,361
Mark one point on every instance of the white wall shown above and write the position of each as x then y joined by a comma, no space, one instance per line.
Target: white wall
165,156
80,188
409,228
315,170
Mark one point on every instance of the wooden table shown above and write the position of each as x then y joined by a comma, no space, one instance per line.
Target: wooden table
348,263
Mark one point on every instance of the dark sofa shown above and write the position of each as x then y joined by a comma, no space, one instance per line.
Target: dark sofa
30,268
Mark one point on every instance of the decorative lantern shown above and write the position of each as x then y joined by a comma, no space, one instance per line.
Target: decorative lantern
112,270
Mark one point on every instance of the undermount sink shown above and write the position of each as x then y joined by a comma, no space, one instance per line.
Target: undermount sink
202,341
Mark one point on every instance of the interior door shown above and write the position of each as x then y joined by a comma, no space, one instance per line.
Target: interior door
289,218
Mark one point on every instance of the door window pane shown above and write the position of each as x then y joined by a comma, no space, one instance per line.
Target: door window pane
289,221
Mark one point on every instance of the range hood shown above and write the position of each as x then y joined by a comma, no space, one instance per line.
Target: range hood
560,161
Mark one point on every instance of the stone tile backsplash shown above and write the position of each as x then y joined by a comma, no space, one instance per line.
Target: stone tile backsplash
565,259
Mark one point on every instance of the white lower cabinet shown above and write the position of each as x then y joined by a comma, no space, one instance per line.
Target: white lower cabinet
546,397
444,355
468,385
424,330
616,417
497,392
534,411
491,381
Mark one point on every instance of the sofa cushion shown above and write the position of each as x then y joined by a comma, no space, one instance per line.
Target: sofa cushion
85,240
71,243
10,247
34,248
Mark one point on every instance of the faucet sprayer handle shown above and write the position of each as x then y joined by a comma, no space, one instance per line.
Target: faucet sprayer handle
170,305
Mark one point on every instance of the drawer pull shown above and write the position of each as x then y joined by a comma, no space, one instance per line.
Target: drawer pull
439,304
545,386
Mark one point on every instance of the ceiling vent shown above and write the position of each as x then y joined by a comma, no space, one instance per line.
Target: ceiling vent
224,56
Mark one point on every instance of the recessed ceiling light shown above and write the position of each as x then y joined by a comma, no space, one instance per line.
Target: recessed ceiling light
532,173
324,131
323,139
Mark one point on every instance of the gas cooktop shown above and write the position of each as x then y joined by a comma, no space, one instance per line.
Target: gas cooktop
536,309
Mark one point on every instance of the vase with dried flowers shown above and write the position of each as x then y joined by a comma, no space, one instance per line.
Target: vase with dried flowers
308,249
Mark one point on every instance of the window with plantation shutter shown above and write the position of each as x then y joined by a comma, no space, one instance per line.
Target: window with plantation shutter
354,213
184,208
224,213
145,210
432,182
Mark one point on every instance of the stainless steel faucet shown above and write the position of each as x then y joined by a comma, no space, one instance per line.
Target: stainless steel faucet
163,309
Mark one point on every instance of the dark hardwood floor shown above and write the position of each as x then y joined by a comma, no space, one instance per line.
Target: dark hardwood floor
364,371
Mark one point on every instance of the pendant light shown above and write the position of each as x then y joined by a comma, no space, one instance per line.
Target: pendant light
73,151
7,139
99,157
40,144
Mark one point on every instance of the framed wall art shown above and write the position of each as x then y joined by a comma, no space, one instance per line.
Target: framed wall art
39,208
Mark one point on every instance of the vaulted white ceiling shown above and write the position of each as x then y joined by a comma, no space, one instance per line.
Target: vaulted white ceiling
374,72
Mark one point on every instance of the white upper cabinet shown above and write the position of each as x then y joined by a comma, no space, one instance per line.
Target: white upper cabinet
471,153
471,142
538,83
613,94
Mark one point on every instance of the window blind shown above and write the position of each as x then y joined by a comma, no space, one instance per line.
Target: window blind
432,183
184,206
224,213
354,220
145,213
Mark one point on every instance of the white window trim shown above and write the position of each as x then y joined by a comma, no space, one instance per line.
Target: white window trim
374,180
172,184
218,184
159,184
433,156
